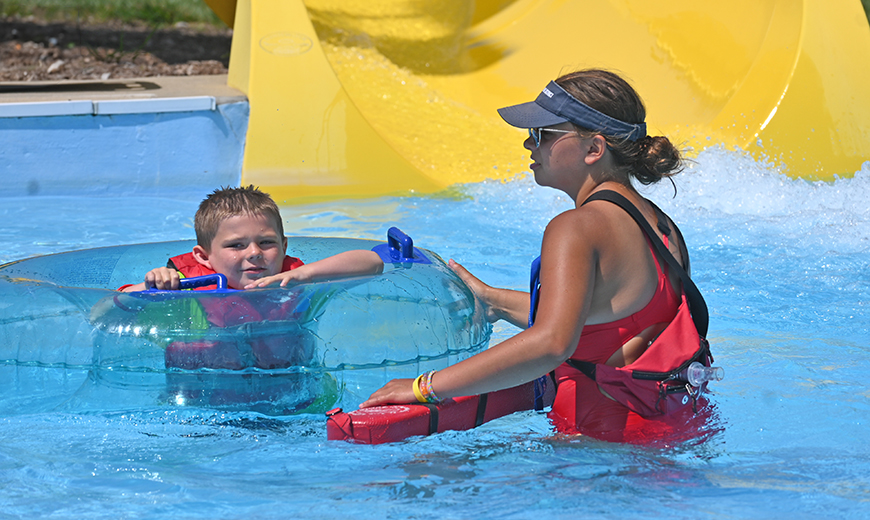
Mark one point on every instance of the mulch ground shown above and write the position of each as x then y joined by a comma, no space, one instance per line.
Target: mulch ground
32,50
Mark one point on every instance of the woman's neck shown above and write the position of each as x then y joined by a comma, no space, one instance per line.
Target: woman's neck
591,187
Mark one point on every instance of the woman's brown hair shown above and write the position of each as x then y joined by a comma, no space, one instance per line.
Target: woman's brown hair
649,159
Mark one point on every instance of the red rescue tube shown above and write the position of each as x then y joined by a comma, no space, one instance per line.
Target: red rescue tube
392,423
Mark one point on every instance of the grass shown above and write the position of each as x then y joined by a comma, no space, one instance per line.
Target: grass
154,13
151,12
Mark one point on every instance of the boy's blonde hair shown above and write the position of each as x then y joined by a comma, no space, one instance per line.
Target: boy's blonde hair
230,202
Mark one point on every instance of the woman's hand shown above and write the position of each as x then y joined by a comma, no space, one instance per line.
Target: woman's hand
397,391
498,304
480,289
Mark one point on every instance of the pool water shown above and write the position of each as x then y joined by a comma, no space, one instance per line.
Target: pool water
784,267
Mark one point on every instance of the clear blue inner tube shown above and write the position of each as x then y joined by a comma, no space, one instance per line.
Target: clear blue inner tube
276,351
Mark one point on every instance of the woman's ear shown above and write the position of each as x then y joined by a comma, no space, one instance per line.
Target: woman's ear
596,148
201,255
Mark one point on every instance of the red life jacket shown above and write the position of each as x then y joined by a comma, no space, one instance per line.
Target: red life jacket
231,311
187,265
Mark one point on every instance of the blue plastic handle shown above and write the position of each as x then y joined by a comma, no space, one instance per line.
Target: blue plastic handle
216,279
203,281
400,243
400,249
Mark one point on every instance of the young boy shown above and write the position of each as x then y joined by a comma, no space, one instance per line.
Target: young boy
239,234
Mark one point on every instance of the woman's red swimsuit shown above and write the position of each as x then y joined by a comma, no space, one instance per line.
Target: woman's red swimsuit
579,406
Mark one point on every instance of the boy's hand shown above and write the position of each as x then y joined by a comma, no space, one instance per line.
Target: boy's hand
287,277
162,278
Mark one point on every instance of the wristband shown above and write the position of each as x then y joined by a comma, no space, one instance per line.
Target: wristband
417,393
426,390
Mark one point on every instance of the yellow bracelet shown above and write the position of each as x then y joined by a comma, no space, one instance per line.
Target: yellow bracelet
417,393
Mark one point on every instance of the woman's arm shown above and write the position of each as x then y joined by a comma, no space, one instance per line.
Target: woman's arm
360,262
568,267
501,304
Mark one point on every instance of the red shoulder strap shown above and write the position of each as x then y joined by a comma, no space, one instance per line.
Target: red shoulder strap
697,305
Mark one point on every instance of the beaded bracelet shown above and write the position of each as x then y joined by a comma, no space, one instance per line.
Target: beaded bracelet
423,385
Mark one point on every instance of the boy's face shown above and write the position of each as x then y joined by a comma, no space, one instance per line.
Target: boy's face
245,249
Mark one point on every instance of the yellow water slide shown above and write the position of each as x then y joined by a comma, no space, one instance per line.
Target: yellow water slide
357,98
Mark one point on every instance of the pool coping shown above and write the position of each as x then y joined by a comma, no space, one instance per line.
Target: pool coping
121,96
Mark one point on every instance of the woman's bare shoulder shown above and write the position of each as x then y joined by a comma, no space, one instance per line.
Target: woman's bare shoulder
593,221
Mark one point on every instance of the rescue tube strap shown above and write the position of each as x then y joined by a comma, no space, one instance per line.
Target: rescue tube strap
703,354
433,416
481,409
534,287
662,225
587,367
697,305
